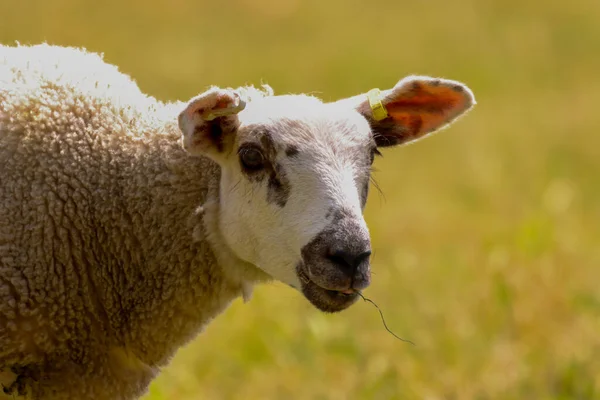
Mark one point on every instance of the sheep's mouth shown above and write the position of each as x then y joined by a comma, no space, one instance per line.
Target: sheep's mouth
325,299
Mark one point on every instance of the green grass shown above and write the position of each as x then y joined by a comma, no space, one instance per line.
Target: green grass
487,237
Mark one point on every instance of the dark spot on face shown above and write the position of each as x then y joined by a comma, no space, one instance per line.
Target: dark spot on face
458,88
268,145
291,151
278,185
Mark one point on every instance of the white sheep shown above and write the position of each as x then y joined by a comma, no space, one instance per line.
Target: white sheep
127,224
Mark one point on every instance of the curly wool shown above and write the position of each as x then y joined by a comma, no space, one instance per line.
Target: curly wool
100,278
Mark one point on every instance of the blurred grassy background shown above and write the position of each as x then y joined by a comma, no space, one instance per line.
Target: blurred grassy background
487,236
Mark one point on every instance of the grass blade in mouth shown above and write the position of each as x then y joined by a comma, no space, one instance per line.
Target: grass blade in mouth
383,319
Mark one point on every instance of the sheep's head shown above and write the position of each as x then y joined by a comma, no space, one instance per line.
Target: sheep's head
295,174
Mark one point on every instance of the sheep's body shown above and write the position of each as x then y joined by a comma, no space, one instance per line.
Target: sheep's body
97,207
124,222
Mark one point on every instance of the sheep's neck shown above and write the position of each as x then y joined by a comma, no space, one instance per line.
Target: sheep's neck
175,277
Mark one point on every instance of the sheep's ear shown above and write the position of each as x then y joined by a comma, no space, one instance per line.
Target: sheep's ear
208,121
415,107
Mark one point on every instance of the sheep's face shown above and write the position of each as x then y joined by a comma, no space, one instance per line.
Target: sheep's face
295,175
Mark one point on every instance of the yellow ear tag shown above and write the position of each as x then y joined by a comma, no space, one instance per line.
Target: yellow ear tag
379,111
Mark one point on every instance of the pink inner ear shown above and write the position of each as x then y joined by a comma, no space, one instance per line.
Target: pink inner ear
201,105
426,107
221,103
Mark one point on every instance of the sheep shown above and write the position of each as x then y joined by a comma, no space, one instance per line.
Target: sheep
128,224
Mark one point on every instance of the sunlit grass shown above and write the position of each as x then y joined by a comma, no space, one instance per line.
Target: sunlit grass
487,236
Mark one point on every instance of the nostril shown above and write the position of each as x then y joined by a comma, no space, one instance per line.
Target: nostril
349,259
339,258
362,257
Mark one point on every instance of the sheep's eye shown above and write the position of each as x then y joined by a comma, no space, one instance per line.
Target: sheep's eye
252,158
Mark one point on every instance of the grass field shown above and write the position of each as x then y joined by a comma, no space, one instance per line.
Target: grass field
486,236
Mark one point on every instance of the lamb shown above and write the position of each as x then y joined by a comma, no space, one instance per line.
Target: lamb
127,224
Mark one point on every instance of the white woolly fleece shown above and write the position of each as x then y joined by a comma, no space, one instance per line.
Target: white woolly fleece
100,278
